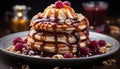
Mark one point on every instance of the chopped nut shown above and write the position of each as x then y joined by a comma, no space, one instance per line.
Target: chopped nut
25,66
18,52
91,27
56,68
105,63
109,62
61,20
11,48
89,54
58,56
23,49
68,21
80,17
114,29
109,45
74,56
103,49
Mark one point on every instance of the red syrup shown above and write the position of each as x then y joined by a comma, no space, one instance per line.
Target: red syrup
95,12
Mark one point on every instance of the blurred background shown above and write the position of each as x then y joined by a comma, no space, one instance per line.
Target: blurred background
35,6
40,5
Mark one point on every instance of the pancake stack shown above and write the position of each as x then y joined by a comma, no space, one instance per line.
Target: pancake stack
58,31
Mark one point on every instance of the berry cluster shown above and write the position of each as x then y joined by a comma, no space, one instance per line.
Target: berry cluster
93,48
19,43
59,4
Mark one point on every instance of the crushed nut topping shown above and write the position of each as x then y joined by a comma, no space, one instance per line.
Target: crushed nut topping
58,56
11,48
24,66
109,61
114,29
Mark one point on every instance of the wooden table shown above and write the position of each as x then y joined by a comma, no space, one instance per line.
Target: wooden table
8,62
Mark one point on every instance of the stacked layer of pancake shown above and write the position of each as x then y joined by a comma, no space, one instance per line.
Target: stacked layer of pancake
58,30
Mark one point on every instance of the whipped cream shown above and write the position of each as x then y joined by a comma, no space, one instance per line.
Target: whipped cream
60,13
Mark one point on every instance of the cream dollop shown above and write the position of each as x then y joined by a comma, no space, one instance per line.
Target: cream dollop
61,13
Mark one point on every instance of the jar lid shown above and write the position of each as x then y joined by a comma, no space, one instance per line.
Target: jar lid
21,7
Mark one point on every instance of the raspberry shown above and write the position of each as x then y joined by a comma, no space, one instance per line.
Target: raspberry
58,4
17,40
94,44
94,47
102,42
68,55
66,3
19,46
85,50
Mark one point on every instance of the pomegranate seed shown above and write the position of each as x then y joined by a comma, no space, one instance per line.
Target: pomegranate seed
102,42
17,40
19,46
58,4
66,3
68,55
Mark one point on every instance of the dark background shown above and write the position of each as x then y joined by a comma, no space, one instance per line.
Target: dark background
40,5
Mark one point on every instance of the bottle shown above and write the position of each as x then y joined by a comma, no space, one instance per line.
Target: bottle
19,21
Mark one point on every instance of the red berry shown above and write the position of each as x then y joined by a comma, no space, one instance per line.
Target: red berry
99,30
66,3
94,47
102,42
94,44
85,50
68,55
17,40
19,46
58,4
95,51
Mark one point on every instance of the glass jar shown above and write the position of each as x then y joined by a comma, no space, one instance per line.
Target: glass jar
19,20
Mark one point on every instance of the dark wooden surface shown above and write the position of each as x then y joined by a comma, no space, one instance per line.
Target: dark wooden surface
8,62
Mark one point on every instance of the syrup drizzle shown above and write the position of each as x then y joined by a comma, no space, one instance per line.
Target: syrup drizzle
75,24
68,11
